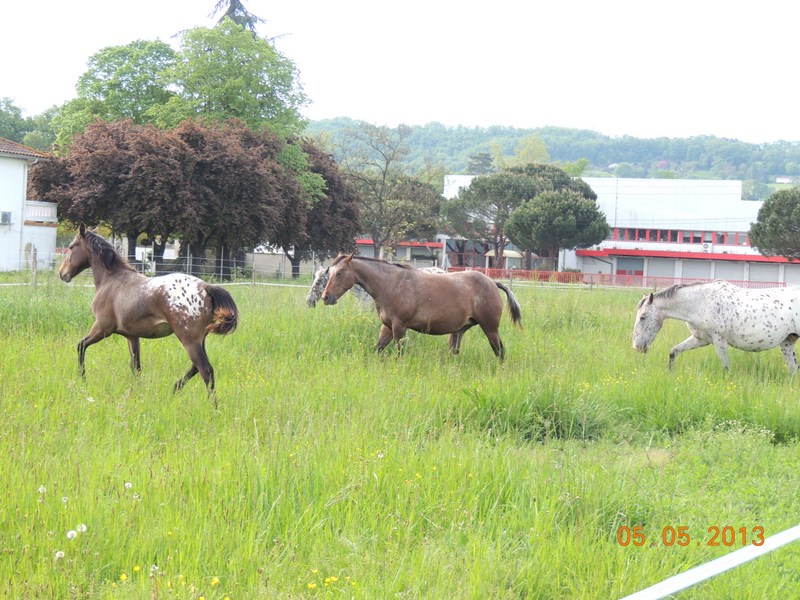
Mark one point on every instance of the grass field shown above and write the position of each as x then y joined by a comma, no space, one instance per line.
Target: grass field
329,471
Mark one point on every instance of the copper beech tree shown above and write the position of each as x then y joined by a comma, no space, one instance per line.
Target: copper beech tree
222,187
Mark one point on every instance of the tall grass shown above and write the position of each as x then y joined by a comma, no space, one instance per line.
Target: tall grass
328,470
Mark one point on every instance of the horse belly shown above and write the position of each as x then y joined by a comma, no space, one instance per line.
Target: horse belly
756,338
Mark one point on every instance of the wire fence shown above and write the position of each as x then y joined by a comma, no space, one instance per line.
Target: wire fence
257,267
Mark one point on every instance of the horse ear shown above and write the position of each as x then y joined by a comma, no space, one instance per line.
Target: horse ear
349,257
650,298
82,230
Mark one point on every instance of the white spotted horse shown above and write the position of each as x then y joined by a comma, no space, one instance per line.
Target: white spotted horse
723,314
134,306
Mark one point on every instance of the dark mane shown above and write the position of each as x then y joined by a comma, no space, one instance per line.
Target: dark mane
669,292
370,259
104,251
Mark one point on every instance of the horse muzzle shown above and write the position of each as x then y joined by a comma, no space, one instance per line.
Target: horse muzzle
65,277
329,300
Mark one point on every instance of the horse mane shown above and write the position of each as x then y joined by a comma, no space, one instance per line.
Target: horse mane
105,252
341,257
669,292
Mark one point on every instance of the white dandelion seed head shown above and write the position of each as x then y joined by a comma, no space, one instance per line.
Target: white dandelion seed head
81,528
72,534
64,499
42,489
59,555
128,485
90,399
153,568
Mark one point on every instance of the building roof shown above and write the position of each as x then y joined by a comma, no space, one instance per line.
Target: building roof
693,204
13,149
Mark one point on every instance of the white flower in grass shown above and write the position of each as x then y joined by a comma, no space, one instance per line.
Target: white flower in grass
72,534
128,485
42,489
90,399
64,499
81,528
59,555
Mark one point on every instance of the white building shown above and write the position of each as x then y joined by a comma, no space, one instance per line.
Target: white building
27,228
678,229
669,230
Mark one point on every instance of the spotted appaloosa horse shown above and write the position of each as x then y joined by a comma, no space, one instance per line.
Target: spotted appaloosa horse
407,298
321,280
723,314
134,306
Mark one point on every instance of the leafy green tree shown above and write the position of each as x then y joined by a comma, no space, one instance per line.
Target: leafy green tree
482,210
41,134
776,231
226,72
12,123
322,225
125,82
556,220
530,150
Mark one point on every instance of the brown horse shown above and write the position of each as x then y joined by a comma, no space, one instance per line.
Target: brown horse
134,306
437,304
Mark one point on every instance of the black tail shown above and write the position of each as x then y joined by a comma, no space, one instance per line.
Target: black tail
513,305
226,315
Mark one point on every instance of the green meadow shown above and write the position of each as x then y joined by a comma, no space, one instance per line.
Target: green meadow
330,471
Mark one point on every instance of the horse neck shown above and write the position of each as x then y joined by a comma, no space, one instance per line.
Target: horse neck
681,306
100,274
371,275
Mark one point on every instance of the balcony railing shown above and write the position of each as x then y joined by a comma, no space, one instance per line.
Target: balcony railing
41,212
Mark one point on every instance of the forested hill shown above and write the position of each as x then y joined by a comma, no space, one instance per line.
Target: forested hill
450,148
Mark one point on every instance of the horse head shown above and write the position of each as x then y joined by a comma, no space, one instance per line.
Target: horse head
648,323
341,277
77,257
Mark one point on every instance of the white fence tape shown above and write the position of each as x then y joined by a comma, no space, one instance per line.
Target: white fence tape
715,567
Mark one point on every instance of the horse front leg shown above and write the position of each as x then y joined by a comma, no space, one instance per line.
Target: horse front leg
95,334
133,347
691,343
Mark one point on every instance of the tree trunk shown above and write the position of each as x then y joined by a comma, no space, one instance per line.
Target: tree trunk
131,237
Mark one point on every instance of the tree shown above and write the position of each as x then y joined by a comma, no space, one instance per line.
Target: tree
332,223
776,231
482,210
556,220
12,123
480,164
394,206
125,82
237,13
135,179
239,187
226,72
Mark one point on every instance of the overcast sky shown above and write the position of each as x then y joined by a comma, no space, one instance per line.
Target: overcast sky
674,68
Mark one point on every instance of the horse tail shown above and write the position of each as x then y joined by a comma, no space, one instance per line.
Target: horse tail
225,315
513,305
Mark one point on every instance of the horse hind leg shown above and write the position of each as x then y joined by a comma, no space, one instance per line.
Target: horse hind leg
200,364
136,360
789,355
384,337
456,337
